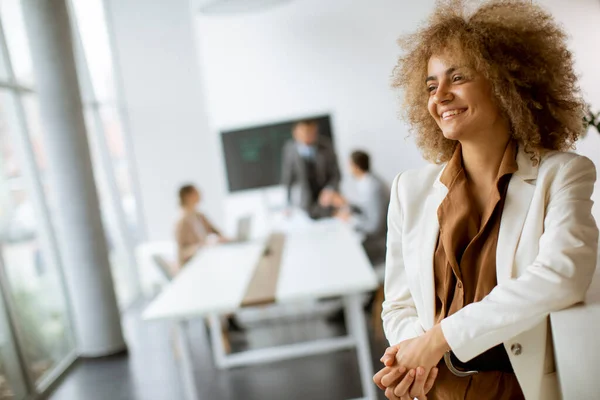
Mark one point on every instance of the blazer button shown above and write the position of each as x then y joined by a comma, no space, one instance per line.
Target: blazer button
516,349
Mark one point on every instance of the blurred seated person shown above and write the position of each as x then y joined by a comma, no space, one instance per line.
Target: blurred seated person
368,211
310,171
193,231
193,228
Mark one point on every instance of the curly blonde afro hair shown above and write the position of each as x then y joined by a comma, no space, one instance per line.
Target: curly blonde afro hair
520,50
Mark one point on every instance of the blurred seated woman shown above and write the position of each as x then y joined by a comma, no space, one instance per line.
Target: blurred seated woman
193,229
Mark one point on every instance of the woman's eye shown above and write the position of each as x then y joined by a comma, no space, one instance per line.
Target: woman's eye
457,78
431,88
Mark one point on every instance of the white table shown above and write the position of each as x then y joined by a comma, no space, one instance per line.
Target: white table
319,260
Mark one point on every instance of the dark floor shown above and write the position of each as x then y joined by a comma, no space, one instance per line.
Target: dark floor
150,370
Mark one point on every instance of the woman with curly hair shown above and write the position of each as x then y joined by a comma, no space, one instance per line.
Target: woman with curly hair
485,243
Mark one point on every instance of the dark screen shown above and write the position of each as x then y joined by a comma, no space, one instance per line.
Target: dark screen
253,155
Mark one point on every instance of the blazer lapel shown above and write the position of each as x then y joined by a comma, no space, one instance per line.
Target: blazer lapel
516,205
320,164
430,230
299,166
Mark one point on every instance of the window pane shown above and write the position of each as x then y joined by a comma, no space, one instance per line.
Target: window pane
34,282
34,124
7,385
6,390
91,23
93,31
16,38
12,383
109,157
3,77
122,265
118,156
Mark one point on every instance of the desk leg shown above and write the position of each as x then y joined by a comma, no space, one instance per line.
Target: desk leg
187,365
357,328
218,345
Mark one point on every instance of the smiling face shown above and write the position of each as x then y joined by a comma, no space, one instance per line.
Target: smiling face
460,100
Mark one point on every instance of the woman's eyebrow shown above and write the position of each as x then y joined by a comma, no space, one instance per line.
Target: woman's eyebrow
449,71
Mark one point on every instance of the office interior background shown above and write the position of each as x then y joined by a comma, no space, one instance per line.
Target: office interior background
159,82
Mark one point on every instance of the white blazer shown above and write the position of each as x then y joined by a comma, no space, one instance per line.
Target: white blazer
545,259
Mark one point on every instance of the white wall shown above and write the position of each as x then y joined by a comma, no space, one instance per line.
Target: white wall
300,58
311,56
156,49
580,19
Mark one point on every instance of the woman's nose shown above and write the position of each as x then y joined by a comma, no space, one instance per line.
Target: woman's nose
442,94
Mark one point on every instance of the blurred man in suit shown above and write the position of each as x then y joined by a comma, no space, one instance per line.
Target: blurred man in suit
368,211
310,171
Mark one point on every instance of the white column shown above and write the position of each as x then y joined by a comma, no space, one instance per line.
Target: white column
78,221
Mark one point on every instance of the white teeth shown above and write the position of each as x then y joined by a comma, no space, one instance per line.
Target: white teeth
450,113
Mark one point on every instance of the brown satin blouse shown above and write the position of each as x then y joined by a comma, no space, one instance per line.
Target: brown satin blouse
465,272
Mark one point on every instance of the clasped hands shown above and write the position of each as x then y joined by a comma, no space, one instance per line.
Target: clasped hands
411,366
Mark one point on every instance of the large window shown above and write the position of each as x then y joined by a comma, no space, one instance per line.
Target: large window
36,336
12,382
16,37
31,280
111,158
101,97
30,274
32,277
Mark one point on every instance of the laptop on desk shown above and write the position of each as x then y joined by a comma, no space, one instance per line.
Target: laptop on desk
243,230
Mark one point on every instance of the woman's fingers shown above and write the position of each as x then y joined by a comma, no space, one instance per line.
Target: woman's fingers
377,377
418,385
389,356
404,385
418,393
430,380
393,377
389,394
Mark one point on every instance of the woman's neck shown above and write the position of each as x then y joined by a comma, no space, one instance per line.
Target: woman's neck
189,209
482,159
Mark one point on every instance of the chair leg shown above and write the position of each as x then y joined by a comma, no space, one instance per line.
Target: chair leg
175,343
223,332
225,336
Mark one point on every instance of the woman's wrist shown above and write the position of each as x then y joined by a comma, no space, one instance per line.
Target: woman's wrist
439,340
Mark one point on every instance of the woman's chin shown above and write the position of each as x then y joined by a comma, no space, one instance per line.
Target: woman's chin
452,135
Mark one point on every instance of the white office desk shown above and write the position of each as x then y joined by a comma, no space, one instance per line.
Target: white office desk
323,259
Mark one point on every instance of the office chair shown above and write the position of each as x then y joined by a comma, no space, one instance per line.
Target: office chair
164,267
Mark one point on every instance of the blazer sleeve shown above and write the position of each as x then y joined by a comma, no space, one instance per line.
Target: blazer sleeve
333,171
400,320
210,227
558,277
287,169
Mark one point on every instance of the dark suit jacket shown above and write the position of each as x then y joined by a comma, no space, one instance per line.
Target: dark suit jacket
294,173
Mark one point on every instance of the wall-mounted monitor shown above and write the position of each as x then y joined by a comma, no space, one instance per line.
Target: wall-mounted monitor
253,154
